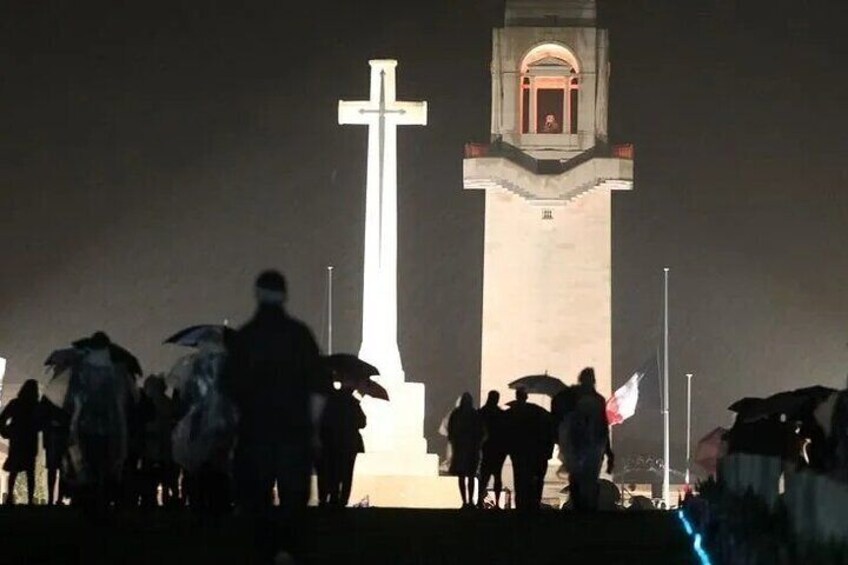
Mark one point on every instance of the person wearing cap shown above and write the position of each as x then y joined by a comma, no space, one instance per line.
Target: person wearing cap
273,376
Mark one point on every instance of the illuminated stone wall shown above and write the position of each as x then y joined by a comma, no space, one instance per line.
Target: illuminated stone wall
546,289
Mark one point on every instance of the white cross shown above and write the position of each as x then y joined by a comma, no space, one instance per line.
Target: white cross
382,113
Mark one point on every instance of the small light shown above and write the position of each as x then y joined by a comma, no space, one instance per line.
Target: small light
547,214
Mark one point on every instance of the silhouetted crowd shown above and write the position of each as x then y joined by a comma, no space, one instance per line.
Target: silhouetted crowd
251,413
481,440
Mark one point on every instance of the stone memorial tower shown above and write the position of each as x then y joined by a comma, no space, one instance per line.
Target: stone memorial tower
548,172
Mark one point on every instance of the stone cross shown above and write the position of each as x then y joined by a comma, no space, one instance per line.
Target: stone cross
382,113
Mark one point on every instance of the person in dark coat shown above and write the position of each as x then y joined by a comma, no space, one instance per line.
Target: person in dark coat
100,393
156,460
839,433
465,434
55,427
273,376
531,442
587,443
494,447
204,436
340,443
19,424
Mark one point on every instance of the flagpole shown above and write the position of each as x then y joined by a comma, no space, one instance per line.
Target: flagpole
666,486
329,310
688,424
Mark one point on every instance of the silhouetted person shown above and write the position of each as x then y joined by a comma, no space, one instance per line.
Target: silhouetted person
55,427
205,435
531,441
340,443
766,439
272,369
587,442
98,399
19,423
839,433
138,411
465,434
156,460
562,405
494,449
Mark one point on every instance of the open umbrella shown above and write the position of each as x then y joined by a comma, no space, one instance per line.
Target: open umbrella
352,371
824,412
195,335
539,384
795,404
372,389
745,405
118,354
349,368
57,388
62,359
708,451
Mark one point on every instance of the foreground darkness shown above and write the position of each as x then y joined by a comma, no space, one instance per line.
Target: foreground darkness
156,156
413,537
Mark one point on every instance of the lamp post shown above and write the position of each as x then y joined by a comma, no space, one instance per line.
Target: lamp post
329,309
666,486
688,424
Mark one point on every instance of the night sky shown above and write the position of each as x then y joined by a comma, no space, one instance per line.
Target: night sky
156,156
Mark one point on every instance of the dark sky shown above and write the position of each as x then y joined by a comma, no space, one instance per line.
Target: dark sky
156,156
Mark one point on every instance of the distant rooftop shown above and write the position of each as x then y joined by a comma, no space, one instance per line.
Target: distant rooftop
550,13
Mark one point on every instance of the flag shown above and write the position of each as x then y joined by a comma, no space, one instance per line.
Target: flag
622,404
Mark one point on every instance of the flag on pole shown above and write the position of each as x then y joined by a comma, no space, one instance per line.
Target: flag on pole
622,404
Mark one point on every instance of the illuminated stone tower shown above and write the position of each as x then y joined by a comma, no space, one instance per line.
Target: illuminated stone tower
548,173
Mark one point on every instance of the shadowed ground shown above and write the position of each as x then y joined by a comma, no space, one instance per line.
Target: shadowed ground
35,536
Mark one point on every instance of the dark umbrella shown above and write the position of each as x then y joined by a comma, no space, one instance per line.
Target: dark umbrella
349,369
539,384
708,450
373,389
795,404
118,354
57,388
61,359
745,405
195,335
355,373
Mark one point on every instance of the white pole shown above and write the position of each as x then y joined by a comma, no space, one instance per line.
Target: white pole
688,424
2,376
666,486
329,309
